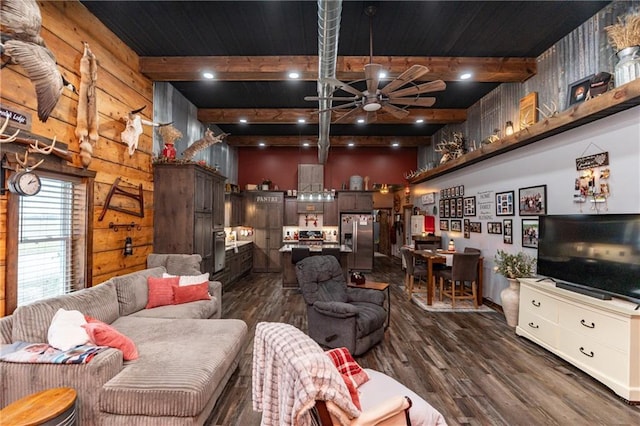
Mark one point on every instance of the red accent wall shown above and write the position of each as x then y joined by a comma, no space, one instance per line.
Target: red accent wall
280,165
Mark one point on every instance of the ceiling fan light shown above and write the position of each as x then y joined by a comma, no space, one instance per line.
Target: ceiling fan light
373,106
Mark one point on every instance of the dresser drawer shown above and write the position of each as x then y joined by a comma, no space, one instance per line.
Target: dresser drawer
596,326
537,327
538,303
592,355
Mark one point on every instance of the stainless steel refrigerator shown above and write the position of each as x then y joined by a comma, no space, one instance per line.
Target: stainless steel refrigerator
356,232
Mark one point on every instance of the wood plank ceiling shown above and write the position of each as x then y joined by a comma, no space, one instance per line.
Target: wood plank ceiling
251,46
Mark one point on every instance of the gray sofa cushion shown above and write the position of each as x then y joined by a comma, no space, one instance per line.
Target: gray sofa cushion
181,365
199,309
31,322
176,264
132,289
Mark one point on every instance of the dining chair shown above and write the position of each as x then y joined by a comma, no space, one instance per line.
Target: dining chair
452,283
413,271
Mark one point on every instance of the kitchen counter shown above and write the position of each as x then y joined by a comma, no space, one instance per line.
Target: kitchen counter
231,246
315,248
289,279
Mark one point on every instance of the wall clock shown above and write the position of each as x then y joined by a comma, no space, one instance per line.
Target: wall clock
25,182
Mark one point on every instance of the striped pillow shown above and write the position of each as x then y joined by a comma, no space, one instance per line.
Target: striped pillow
347,366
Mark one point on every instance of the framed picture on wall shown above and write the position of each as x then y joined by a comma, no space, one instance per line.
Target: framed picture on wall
530,233
459,212
578,91
504,203
533,200
456,225
494,227
475,227
467,228
444,225
507,234
469,206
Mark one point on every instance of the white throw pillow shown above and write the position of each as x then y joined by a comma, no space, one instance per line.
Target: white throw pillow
189,279
66,331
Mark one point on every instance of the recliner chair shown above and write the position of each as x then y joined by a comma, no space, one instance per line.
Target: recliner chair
339,315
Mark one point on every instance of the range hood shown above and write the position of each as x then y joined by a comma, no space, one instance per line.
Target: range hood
311,187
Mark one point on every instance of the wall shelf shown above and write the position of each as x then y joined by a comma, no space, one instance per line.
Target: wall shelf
616,100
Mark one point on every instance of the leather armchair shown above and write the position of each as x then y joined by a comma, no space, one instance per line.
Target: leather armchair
339,315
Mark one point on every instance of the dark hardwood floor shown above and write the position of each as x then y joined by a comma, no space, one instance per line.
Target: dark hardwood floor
470,366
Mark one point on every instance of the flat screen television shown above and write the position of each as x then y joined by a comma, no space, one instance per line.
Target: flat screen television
596,253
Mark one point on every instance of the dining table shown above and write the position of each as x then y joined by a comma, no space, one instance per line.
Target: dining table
445,257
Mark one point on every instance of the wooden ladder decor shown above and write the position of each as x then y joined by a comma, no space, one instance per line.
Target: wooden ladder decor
115,190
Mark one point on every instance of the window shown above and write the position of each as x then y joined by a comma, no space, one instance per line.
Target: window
51,240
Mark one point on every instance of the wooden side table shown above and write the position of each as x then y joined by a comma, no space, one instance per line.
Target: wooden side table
372,285
50,407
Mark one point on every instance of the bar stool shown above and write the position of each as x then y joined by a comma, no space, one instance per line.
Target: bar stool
331,251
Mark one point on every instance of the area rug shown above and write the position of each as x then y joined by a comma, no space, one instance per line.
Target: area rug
420,299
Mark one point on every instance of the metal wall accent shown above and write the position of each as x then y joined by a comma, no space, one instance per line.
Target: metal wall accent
169,105
583,52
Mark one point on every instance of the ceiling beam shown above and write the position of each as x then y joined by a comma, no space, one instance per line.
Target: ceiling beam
291,116
336,141
349,68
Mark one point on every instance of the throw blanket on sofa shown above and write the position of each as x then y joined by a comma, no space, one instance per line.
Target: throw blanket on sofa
291,372
25,352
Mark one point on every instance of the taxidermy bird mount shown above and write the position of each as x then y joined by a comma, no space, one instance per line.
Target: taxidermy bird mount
21,44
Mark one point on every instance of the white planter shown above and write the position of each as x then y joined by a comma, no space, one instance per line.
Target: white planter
511,301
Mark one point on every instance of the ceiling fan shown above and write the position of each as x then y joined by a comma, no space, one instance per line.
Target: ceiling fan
389,97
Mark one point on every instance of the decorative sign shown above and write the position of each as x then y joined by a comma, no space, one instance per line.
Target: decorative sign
17,119
268,199
429,198
485,205
591,161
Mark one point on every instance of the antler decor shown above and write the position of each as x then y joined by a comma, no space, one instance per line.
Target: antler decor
10,138
451,149
131,134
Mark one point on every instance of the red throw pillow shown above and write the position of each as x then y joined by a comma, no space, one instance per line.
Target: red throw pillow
103,334
161,291
190,293
347,366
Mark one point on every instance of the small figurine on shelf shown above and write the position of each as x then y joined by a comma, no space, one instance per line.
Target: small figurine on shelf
169,135
169,152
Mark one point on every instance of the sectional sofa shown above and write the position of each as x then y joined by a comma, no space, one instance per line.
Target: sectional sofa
186,353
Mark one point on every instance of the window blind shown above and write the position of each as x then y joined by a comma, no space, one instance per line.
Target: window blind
52,240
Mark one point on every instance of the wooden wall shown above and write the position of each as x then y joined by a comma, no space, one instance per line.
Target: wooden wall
121,88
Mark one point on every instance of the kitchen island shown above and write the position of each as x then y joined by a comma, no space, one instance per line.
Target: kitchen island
289,279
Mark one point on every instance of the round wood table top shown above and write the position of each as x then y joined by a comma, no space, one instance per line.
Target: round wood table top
38,408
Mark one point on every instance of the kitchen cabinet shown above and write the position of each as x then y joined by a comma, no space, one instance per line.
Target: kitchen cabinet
310,177
330,215
233,210
265,213
355,201
600,337
188,208
290,211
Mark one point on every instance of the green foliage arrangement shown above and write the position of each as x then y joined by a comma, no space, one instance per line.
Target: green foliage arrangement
518,265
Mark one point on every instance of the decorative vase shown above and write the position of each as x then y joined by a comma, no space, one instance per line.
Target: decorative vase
511,301
628,66
169,152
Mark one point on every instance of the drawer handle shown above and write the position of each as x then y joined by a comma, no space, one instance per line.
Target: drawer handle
532,325
583,322
590,354
536,304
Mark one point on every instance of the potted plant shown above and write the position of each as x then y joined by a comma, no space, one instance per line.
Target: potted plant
513,266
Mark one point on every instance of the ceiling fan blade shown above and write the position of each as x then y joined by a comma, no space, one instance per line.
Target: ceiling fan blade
349,105
342,86
331,98
432,86
406,77
372,75
394,110
419,102
348,115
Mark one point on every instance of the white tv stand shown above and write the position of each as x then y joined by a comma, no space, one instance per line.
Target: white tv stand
600,337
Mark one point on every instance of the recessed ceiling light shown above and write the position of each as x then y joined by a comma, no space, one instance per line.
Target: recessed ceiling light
465,76
262,144
294,74
207,75
419,120
395,144
301,120
360,120
243,120
305,144
351,144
